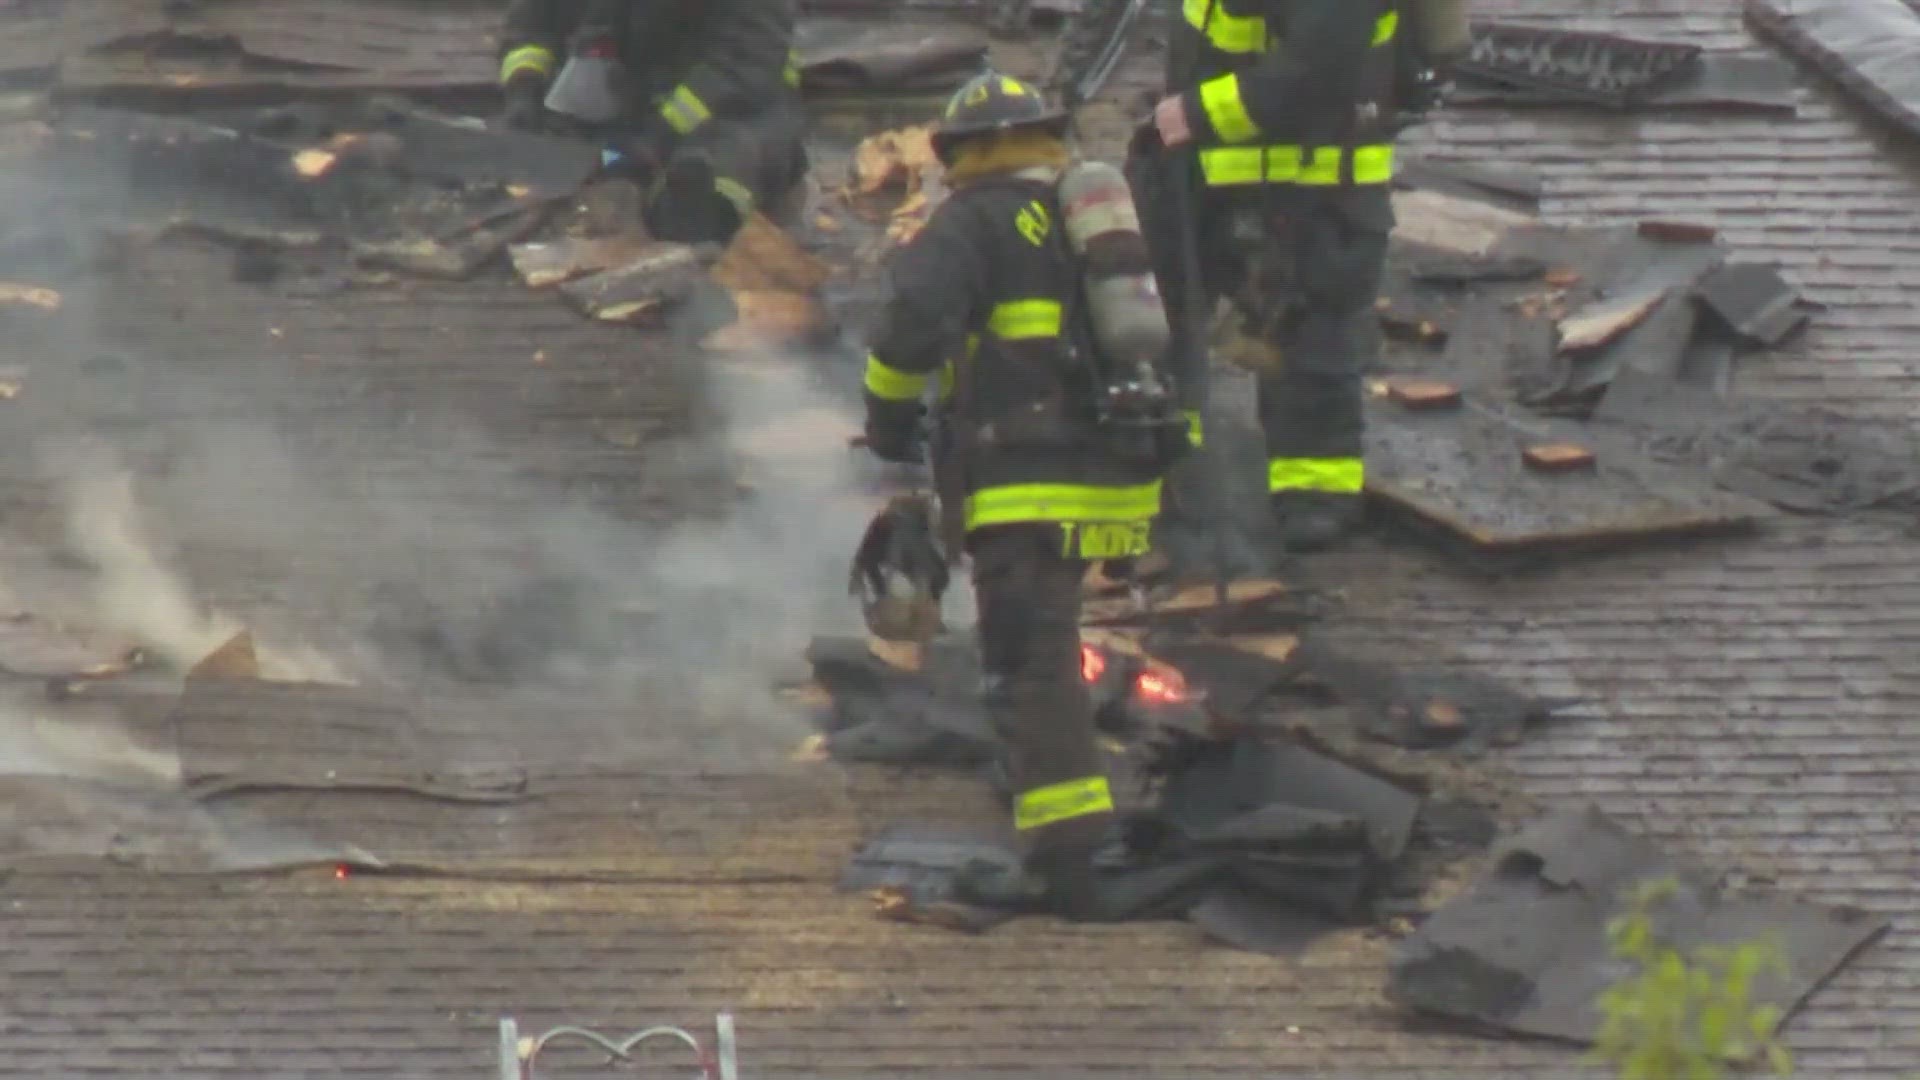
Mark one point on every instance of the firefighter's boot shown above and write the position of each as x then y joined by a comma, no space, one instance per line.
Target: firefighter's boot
691,206
1055,879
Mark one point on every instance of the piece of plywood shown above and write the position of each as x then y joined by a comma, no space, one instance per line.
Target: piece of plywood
546,263
1463,472
237,659
763,257
1461,227
1416,394
1559,457
642,291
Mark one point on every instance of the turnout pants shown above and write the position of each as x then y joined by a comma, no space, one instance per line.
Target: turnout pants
1305,278
1028,595
1303,268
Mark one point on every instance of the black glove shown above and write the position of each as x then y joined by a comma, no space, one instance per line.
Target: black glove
893,431
526,108
1146,141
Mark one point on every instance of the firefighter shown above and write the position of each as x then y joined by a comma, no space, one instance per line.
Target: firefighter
710,117
1288,108
988,304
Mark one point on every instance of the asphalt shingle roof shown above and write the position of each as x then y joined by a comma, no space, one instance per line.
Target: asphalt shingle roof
1754,705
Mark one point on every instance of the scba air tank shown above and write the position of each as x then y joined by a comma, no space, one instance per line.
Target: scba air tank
1123,300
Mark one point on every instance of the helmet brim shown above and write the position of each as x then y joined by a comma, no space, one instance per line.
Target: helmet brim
946,140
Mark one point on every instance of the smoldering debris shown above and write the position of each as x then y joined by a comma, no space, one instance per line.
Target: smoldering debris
132,592
1280,831
1235,813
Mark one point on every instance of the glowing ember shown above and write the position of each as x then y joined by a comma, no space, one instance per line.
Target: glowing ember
1093,663
341,871
1162,687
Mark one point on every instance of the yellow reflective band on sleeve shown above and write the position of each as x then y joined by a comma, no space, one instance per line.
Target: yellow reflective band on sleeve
1228,33
684,110
892,384
1024,320
1385,28
1221,99
1064,801
1341,476
535,58
1226,166
792,72
735,192
1196,434
946,381
1015,504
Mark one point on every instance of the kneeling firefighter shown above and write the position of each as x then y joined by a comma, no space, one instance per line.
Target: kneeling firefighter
1028,300
696,99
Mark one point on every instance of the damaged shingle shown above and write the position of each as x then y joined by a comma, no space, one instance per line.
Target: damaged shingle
1526,950
1421,707
1755,302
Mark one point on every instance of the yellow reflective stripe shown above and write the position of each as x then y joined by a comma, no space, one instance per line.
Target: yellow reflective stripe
1385,28
1225,111
1225,166
1019,320
1345,476
792,72
892,384
1195,433
735,192
1064,801
1013,504
946,380
535,58
684,110
1228,33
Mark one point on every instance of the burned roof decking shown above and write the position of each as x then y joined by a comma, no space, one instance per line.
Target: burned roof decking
1751,701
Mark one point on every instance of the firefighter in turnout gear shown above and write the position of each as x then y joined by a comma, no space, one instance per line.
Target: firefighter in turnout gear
988,313
709,114
1286,107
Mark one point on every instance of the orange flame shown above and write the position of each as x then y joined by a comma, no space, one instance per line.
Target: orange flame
1093,663
1162,687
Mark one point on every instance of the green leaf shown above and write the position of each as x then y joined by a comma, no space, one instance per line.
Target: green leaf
1713,1027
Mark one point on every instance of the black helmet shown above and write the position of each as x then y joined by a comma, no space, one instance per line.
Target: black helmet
993,103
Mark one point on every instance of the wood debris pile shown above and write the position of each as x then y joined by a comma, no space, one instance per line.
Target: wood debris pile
896,178
769,284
